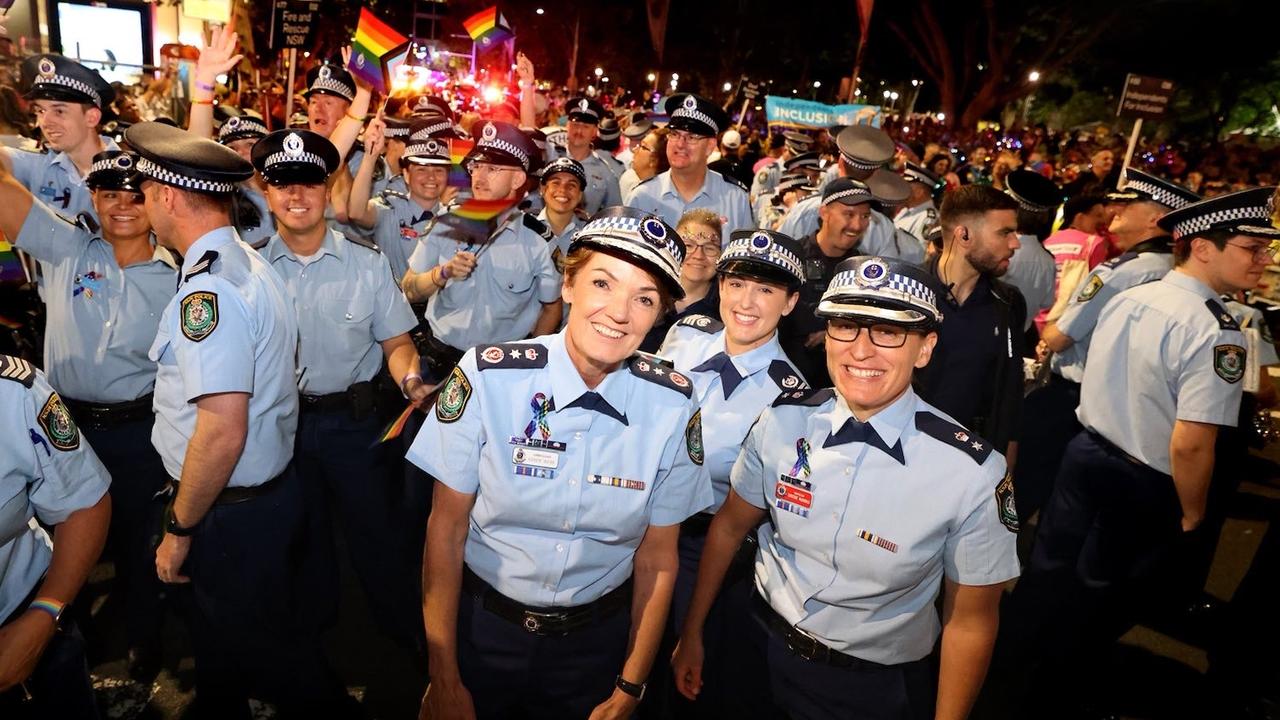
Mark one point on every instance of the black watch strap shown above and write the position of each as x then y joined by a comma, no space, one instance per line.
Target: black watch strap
172,527
635,690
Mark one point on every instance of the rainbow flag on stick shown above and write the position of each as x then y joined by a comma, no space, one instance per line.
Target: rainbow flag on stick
488,27
374,41
475,219
458,149
392,431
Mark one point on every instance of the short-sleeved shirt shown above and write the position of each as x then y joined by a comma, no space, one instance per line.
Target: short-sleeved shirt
55,180
47,471
102,318
566,478
1032,271
230,329
658,195
346,304
1164,351
602,183
256,236
757,378
560,241
881,237
1092,295
501,299
400,222
916,221
863,533
766,178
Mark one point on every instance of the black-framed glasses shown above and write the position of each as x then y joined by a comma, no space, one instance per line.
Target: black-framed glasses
881,334
1267,251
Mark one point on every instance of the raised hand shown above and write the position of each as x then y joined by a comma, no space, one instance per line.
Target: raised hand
218,56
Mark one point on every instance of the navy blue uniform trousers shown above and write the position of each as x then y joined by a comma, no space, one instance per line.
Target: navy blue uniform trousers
1043,442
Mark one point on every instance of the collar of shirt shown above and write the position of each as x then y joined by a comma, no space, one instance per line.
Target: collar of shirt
888,423
668,187
908,212
754,360
574,223
64,160
567,384
1179,279
211,240
278,248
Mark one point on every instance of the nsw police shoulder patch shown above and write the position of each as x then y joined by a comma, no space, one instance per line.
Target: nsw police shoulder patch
1228,362
693,438
1090,289
452,401
1005,504
55,419
199,315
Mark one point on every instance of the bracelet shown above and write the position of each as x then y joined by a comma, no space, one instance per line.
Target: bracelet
405,381
202,102
444,272
444,279
48,605
353,117
203,86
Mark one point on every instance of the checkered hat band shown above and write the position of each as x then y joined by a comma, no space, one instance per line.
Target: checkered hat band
1226,218
395,133
146,167
109,164
698,115
777,256
1159,194
506,147
896,287
244,128
428,131
331,85
283,157
917,176
851,192
421,151
627,230
1026,205
859,163
70,82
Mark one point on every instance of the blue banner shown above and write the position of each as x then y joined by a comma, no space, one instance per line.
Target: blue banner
790,112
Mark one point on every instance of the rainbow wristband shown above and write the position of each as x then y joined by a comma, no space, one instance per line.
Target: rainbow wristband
203,86
48,605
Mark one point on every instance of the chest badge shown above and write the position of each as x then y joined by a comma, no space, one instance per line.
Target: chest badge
87,284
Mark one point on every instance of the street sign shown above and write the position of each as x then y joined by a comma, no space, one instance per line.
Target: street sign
1145,97
293,23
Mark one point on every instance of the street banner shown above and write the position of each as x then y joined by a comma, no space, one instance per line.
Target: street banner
795,113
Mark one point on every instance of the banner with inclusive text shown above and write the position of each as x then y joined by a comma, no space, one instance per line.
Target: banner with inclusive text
794,113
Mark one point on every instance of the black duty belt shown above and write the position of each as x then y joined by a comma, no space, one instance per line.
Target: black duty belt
1114,450
546,621
101,416
232,495
804,645
360,400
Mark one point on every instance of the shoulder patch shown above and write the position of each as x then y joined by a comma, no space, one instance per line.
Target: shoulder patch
1091,288
705,323
811,397
693,438
452,401
932,215
538,226
661,375
55,419
1005,504
202,265
785,376
199,315
1228,362
371,245
1220,313
17,370
511,356
953,435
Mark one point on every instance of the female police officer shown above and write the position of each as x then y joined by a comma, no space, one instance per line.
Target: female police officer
548,524
874,498
738,369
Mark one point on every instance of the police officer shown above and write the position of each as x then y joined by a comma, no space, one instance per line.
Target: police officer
584,116
695,124
639,128
351,316
494,284
47,472
254,222
919,213
1135,481
804,163
563,183
767,178
105,289
790,190
1146,256
878,502
608,139
553,532
738,368
890,191
226,405
70,103
863,150
1031,269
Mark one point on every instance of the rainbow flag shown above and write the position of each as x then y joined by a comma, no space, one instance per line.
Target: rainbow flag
475,219
392,431
374,40
458,149
488,27
11,269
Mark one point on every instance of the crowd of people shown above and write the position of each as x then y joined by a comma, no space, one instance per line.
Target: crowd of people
620,411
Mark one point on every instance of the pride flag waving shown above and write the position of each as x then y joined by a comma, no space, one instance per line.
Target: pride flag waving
374,40
488,27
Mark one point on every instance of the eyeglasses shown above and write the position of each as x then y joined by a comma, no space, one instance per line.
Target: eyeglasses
476,167
682,137
1266,251
644,147
881,335
709,249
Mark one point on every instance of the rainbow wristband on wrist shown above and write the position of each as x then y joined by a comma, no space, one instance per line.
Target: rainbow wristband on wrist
48,605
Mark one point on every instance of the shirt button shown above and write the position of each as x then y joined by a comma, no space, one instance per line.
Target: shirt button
577,436
559,547
848,471
108,323
573,481
564,525
547,586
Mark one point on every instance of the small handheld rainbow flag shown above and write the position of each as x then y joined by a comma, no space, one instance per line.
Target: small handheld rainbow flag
374,40
11,269
488,27
475,218
392,431
458,149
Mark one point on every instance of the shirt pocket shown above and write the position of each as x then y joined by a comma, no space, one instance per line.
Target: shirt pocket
350,318
512,270
616,504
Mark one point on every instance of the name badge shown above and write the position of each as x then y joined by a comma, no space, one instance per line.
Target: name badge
793,495
616,482
537,443
535,457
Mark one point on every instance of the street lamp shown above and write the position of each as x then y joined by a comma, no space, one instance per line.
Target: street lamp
728,86
1034,76
599,72
539,11
817,84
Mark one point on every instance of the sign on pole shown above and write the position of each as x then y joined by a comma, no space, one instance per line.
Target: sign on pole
1145,97
293,23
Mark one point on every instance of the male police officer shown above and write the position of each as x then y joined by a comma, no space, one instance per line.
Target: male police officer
582,128
1031,269
767,178
226,412
920,213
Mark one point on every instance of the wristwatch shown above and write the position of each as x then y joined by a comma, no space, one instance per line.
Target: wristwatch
635,690
172,527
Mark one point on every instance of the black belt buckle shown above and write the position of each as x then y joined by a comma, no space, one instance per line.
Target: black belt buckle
540,623
805,647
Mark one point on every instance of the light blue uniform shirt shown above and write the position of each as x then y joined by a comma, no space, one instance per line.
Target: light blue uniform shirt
346,303
501,299
399,224
230,328
658,195
766,179
764,372
1163,351
560,241
102,318
859,543
561,505
602,183
803,218
915,221
47,471
882,238
258,236
1097,289
1032,271
55,180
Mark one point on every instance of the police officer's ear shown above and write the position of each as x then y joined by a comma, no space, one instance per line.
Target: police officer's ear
926,349
92,115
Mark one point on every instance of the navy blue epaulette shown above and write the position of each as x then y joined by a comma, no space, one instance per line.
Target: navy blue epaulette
649,179
1224,318
363,242
87,221
813,397
388,193
17,370
705,323
954,435
260,243
202,265
732,180
537,226
785,376
511,356
1119,260
660,374
655,359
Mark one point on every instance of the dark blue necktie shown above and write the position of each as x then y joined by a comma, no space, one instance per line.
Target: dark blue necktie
594,401
729,377
854,431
